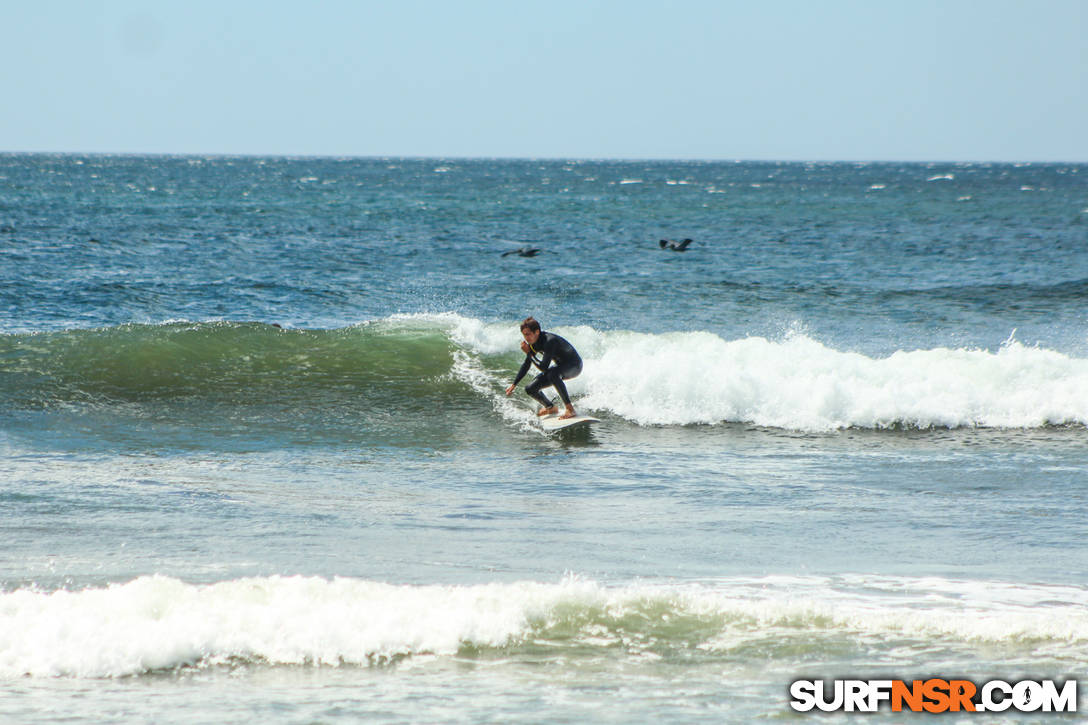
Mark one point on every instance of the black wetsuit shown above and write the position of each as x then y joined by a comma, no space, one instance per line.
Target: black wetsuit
552,349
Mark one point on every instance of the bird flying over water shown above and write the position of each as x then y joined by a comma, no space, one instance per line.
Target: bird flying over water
680,246
523,252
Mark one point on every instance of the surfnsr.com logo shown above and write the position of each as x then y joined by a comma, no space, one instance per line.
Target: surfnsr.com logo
934,695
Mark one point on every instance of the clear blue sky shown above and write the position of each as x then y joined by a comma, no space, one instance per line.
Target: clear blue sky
761,79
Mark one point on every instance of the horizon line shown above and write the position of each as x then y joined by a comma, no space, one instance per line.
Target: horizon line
577,159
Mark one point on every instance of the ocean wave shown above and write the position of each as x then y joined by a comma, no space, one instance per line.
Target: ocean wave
157,623
798,383
993,296
141,362
419,363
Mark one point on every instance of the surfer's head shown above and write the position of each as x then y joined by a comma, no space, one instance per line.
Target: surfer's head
530,330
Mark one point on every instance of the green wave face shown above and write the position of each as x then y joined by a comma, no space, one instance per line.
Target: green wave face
219,360
206,384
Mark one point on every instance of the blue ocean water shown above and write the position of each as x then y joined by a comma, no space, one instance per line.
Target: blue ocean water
257,462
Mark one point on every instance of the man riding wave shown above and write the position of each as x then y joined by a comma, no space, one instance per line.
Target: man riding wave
557,361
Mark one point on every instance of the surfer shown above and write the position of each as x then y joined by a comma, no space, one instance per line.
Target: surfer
552,349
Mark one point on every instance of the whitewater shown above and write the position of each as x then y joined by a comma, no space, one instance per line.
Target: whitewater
797,383
159,623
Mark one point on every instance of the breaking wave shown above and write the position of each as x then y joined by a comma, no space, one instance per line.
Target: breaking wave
157,623
419,363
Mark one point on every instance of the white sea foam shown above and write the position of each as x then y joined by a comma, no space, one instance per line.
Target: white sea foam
468,370
798,383
155,623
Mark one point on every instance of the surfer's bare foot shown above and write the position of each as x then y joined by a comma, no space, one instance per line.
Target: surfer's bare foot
568,414
547,411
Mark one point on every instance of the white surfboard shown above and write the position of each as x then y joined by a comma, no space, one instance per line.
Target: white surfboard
554,422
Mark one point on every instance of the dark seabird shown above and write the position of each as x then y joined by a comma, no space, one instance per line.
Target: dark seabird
675,246
523,252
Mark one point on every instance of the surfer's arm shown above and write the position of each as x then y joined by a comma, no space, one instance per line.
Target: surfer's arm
524,369
545,357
